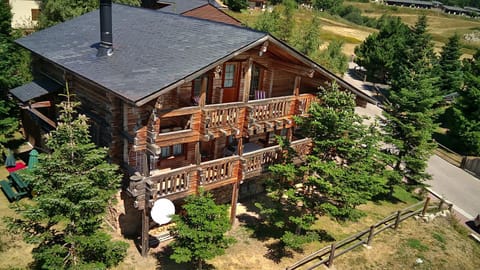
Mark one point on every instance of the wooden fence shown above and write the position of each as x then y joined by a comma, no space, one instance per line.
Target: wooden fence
448,155
326,255
471,164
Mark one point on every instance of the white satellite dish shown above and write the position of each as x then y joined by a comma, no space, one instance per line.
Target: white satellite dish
162,211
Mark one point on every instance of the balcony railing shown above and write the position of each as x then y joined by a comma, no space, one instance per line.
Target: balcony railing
218,170
172,181
222,115
304,102
270,109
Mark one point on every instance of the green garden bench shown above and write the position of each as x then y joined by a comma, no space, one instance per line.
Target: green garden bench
9,192
21,185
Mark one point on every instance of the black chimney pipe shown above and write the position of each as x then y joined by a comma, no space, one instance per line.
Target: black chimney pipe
106,40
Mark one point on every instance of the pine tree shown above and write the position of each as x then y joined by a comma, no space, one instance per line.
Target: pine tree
72,187
464,116
14,71
268,22
346,167
410,115
450,67
285,24
200,233
378,51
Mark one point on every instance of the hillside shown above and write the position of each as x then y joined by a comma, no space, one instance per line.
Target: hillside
441,26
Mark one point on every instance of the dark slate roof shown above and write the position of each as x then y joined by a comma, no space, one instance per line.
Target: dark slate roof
35,89
452,8
153,49
181,6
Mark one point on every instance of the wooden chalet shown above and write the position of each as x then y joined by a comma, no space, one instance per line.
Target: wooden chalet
180,102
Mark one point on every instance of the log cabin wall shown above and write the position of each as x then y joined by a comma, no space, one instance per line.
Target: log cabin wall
173,162
283,83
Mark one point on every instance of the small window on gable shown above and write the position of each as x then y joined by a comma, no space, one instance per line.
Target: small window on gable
35,14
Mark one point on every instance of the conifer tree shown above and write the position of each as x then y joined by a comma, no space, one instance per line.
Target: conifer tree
72,187
346,167
450,67
464,116
200,232
412,110
14,71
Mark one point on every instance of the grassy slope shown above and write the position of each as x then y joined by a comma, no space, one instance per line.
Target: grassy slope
441,26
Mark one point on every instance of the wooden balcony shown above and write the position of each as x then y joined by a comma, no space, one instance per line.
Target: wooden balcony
181,182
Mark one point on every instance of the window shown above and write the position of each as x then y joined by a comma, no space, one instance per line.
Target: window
165,151
35,14
177,149
173,150
229,79
197,88
256,81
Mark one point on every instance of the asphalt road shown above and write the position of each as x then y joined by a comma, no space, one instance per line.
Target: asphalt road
456,185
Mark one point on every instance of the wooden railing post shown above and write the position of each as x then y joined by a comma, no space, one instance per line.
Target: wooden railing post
332,256
370,235
397,220
424,210
441,204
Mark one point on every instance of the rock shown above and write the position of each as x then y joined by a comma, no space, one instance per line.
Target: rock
419,261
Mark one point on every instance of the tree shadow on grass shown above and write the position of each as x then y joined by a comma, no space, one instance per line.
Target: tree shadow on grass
277,251
165,263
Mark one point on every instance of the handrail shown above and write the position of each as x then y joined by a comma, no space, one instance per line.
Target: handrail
270,100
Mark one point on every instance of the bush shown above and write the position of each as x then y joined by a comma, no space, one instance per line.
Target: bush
236,5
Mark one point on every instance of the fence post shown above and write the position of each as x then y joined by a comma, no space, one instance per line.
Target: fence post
397,220
370,235
332,256
441,204
424,210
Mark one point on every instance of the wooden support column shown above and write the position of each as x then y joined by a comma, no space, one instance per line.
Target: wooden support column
270,88
203,92
233,206
236,185
247,80
146,208
296,86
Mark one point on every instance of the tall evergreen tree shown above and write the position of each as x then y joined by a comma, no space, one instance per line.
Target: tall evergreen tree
346,167
14,71
286,22
464,116
378,51
200,233
268,22
73,185
450,67
410,115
